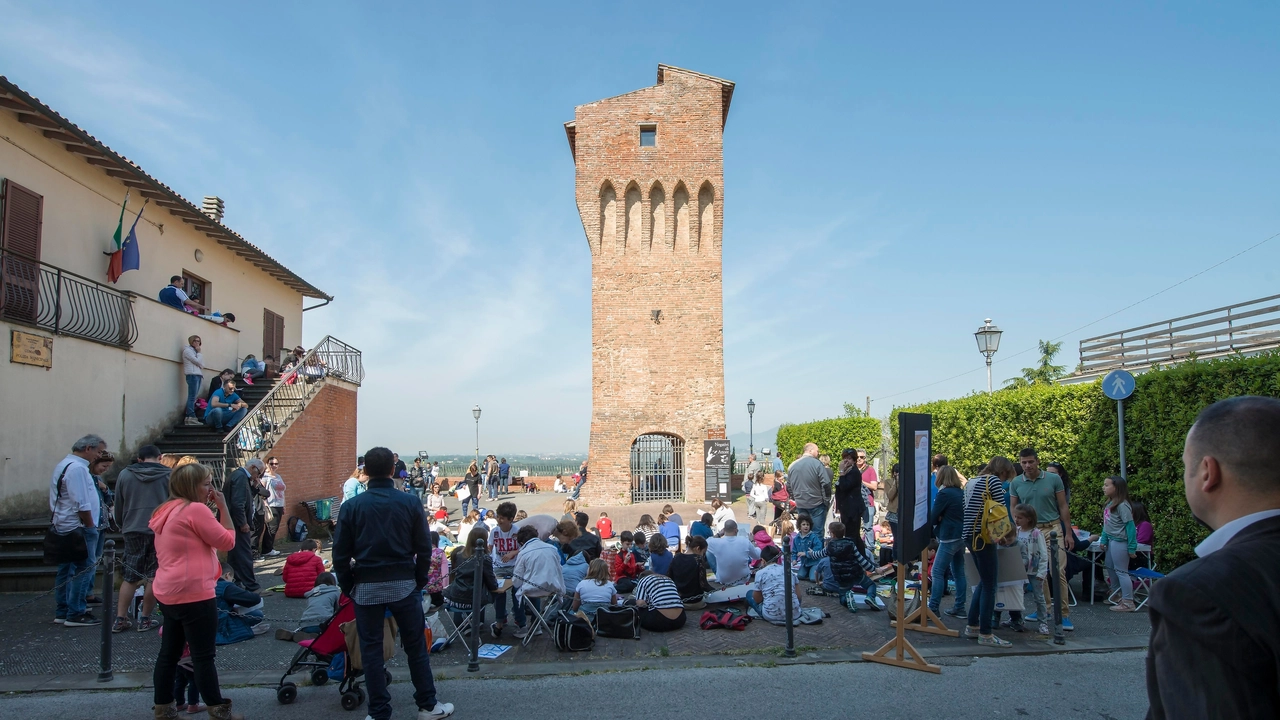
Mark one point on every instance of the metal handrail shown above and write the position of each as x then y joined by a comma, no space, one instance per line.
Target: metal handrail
260,429
48,297
1211,333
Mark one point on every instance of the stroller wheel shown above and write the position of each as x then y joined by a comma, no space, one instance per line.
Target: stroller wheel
287,693
350,701
319,676
387,674
360,694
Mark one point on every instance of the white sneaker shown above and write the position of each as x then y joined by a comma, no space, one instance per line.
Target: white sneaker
273,553
191,421
441,710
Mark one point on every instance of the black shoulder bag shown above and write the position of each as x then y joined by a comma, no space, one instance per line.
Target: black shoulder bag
59,548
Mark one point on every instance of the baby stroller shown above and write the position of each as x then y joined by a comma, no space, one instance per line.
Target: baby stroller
318,654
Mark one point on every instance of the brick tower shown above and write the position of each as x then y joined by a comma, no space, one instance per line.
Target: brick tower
650,184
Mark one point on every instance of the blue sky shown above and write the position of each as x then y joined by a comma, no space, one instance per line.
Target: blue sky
892,177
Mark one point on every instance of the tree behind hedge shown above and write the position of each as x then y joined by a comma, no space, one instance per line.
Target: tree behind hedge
832,436
1076,425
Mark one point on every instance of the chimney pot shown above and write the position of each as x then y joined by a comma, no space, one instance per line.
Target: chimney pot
213,207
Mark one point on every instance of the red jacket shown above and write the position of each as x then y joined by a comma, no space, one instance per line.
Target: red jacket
623,565
300,571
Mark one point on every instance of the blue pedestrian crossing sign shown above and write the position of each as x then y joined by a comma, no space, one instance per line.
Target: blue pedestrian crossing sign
1118,384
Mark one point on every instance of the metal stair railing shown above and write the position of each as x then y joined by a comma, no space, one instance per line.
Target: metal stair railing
259,431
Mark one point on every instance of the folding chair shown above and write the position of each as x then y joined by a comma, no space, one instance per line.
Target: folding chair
551,605
460,630
1143,579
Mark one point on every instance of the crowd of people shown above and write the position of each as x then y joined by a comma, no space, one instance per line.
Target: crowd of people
389,554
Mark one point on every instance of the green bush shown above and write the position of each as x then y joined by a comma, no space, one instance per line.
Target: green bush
832,436
1076,425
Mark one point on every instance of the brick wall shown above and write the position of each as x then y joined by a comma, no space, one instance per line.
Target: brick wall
318,451
652,217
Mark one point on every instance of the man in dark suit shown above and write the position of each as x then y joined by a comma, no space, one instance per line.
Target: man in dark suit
1215,622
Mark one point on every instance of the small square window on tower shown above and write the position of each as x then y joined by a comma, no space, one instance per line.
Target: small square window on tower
648,136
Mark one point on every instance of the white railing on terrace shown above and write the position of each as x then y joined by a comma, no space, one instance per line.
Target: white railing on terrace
262,427
1247,327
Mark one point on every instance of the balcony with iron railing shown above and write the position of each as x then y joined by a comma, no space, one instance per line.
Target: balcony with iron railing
1244,328
49,298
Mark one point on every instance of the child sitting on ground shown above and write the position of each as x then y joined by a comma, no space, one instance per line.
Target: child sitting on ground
1035,558
239,611
604,526
689,572
769,597
625,568
805,541
470,521
844,563
595,590
640,549
659,557
301,569
670,529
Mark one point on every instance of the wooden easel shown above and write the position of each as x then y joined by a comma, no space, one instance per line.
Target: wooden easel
923,619
896,650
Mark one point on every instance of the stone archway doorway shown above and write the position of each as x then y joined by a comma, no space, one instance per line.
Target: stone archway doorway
657,468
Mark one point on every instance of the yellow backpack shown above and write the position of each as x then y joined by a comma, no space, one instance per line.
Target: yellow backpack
993,523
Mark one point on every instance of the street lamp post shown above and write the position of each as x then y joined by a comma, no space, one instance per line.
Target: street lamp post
988,337
475,412
751,418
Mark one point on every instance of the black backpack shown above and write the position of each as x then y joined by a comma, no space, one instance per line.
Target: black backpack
572,633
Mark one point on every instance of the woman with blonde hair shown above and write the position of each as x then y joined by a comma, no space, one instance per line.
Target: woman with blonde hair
187,540
570,509
947,519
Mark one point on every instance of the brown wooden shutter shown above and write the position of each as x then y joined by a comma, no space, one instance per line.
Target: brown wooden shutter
272,334
20,229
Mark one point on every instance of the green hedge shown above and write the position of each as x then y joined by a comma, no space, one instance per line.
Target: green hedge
832,436
1076,425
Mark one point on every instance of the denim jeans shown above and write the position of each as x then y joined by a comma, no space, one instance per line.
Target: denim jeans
492,486
222,418
473,501
74,580
193,389
950,556
185,691
408,614
504,482
819,515
517,609
982,607
194,624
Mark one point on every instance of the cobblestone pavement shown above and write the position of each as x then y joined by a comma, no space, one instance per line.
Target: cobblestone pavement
31,644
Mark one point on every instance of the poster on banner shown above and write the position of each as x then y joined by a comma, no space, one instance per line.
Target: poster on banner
922,479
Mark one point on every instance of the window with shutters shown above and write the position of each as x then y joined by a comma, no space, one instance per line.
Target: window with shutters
272,334
198,289
21,218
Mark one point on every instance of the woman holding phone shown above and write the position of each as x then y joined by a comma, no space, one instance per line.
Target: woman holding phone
188,538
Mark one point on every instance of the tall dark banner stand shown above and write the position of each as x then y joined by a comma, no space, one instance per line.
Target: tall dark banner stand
912,540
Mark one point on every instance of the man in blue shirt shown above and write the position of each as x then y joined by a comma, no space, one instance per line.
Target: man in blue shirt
175,297
504,475
226,409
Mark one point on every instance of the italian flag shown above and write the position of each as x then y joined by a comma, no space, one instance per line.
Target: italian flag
115,267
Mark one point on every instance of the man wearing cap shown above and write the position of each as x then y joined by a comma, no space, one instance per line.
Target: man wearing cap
733,555
805,481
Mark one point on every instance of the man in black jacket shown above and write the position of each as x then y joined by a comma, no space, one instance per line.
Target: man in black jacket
240,500
381,555
1215,622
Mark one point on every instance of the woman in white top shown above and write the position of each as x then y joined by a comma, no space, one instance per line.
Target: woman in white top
720,513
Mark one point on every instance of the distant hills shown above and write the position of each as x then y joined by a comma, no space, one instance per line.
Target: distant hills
767,438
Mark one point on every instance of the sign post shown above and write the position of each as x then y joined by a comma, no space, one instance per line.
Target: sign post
716,469
912,541
1118,385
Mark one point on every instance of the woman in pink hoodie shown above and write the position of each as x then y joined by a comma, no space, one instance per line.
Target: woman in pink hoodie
188,538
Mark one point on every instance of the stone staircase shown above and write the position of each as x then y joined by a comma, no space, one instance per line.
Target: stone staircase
273,406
